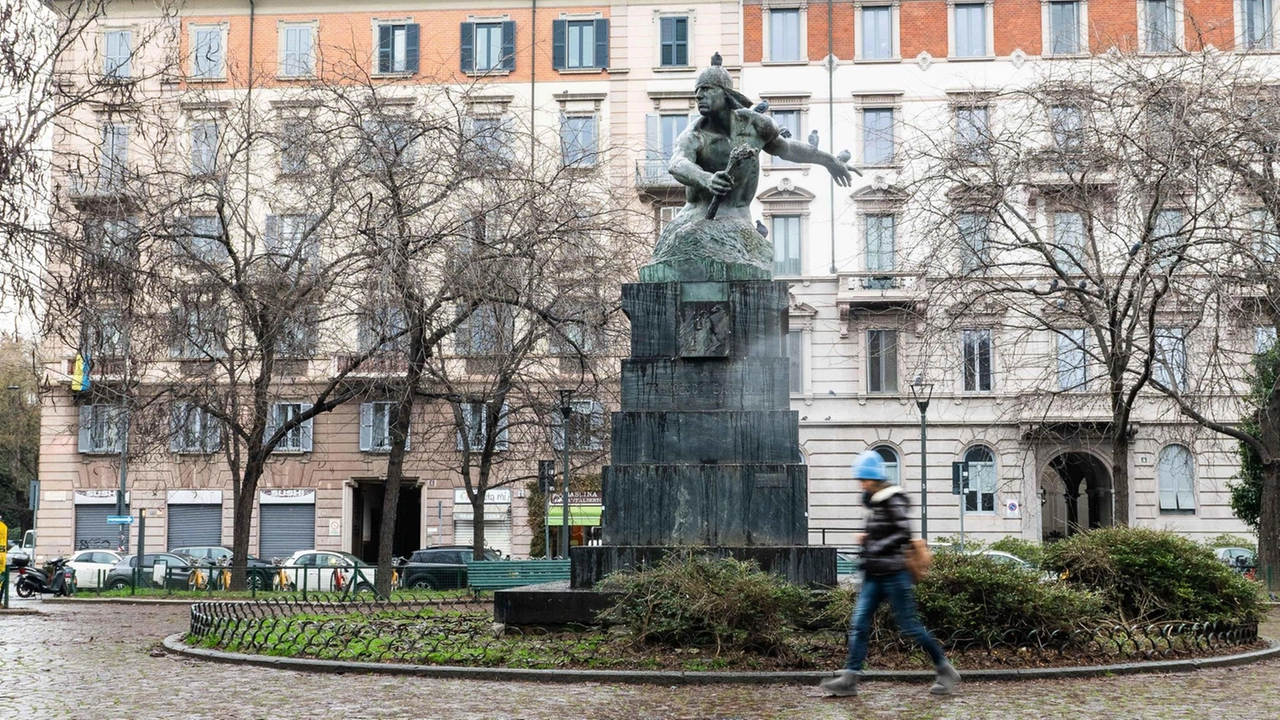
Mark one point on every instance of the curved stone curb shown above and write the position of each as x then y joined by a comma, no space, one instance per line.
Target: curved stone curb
175,644
121,601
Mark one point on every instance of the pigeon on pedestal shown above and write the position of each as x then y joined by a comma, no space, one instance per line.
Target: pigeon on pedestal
761,107
784,132
813,139
760,228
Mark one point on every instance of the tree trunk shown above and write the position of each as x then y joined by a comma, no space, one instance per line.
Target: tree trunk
1269,528
477,524
241,521
1120,476
395,463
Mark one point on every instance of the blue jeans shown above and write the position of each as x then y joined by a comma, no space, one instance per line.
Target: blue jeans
897,589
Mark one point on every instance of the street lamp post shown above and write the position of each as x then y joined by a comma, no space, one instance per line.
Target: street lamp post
923,393
566,410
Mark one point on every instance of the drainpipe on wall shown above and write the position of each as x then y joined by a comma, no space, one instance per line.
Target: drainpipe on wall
533,83
831,126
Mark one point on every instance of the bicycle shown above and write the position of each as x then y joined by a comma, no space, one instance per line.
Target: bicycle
197,580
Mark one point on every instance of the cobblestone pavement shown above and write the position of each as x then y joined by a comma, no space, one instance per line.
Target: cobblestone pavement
96,661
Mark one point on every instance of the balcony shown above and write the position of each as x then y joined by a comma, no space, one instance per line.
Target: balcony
109,190
653,175
371,367
879,291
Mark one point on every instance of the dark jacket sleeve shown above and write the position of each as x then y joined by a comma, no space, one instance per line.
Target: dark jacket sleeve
895,512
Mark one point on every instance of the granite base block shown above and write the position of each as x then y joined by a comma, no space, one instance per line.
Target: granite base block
750,317
701,384
706,438
799,564
549,605
752,504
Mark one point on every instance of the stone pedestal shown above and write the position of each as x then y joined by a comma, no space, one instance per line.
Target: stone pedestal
706,450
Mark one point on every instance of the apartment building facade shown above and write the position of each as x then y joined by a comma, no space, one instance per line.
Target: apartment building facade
620,77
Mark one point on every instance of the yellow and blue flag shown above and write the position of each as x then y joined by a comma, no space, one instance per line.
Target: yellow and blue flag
80,381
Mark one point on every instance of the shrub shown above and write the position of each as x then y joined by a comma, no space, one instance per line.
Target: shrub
1153,575
1029,550
975,596
689,599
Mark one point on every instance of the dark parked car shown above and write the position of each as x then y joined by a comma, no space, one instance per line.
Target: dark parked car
261,572
179,571
440,568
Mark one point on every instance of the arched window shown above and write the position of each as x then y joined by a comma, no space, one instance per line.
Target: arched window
891,465
1176,473
981,496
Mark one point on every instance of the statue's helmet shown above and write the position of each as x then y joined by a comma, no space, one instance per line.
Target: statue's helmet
716,76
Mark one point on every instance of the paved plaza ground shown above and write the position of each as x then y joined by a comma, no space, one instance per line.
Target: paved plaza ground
99,661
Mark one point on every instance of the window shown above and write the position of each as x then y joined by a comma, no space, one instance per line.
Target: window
1257,24
489,331
670,127
490,136
488,47
786,244
784,35
579,44
193,430
1067,128
882,361
204,239
206,53
1176,473
383,329
1166,244
578,140
877,32
1068,240
390,141
788,120
475,423
204,148
977,360
576,337
101,429
981,496
880,246
296,334
1064,28
296,56
586,426
376,419
1159,26
1073,359
975,241
795,360
1265,233
292,238
973,135
113,155
1264,339
971,30
398,48
117,49
674,41
1170,362
297,439
892,470
106,334
198,330
294,135
877,136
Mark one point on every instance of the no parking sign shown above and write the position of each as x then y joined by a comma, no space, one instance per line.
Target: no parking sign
1011,509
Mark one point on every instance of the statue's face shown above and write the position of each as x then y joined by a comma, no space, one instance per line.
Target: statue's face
710,100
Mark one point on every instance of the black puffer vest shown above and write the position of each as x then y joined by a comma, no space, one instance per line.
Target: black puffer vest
887,532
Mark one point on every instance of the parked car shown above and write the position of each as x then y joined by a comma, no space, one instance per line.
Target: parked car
211,553
440,568
19,554
1238,558
1005,558
92,567
179,571
327,571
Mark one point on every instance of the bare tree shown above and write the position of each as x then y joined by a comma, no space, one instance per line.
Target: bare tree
1072,213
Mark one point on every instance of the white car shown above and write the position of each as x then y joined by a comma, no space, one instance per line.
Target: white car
328,571
92,566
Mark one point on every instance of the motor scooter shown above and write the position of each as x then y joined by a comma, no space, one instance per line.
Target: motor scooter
54,578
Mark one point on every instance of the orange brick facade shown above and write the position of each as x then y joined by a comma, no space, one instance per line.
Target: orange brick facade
345,45
1017,25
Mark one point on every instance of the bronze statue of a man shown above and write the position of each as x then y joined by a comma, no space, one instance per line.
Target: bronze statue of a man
717,158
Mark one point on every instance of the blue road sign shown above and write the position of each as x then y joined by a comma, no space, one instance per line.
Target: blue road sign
119,519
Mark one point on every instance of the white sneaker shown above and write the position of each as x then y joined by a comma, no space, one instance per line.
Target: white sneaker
947,678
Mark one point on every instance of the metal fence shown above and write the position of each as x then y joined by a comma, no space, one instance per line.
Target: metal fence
269,580
459,630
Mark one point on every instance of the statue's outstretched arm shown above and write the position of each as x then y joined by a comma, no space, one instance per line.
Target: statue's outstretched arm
799,152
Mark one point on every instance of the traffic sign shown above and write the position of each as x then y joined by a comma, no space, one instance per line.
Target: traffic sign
119,519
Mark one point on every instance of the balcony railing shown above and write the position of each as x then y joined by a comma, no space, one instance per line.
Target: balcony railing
876,290
652,174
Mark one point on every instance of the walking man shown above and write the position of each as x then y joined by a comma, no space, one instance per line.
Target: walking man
885,577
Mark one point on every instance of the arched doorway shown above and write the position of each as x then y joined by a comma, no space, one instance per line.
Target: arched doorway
1075,494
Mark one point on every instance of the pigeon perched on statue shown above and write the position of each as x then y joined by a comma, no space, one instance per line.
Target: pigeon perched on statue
844,156
762,107
813,139
716,59
784,132
760,228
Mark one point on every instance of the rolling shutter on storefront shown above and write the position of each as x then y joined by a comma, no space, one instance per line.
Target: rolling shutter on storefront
195,525
285,529
92,530
497,530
